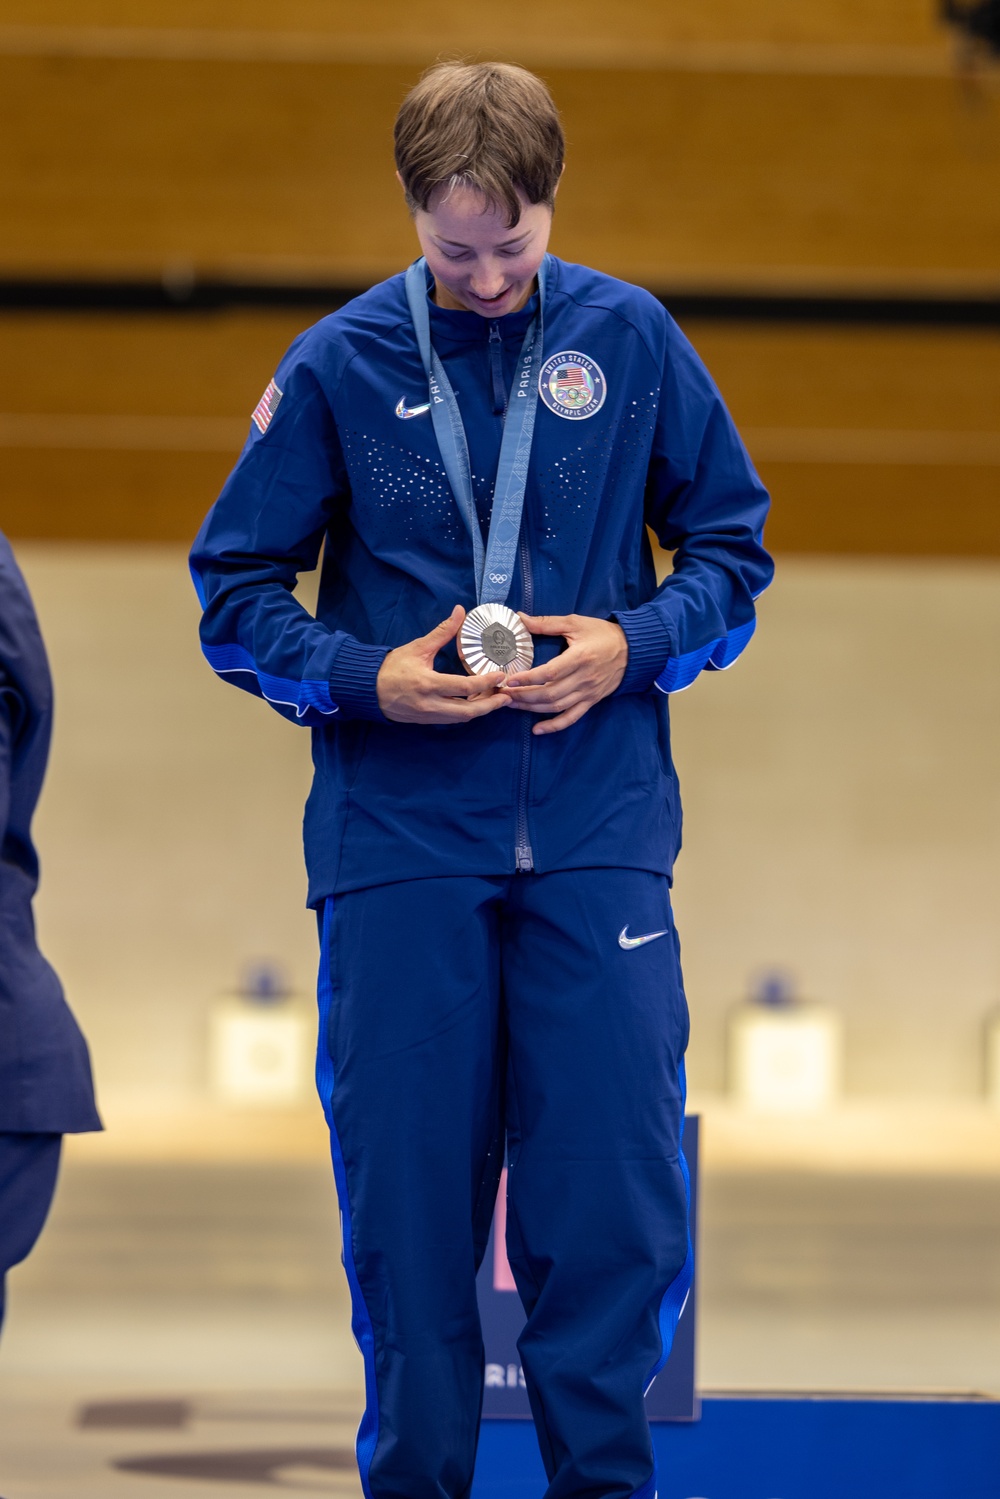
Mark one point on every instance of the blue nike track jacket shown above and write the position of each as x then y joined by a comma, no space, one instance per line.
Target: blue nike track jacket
342,452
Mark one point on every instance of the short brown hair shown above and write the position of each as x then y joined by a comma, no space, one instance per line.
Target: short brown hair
487,125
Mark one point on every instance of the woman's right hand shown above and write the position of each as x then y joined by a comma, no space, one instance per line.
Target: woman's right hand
409,690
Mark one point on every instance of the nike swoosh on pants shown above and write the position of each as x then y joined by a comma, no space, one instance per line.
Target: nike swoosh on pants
625,941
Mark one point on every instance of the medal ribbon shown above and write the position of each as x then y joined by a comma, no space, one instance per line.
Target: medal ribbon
494,564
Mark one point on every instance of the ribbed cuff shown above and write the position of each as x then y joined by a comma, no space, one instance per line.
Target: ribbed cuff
648,647
352,679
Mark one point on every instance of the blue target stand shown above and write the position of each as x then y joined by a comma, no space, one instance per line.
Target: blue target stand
741,1446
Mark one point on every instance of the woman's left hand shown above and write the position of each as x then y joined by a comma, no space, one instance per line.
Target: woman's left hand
591,667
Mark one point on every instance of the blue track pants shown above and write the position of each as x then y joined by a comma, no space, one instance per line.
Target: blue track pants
458,1016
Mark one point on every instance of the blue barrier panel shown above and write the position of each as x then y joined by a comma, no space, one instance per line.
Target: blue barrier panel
672,1396
791,1448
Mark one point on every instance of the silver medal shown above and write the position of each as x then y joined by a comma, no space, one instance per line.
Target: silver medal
492,638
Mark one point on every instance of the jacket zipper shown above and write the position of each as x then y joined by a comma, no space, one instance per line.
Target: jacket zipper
496,370
524,861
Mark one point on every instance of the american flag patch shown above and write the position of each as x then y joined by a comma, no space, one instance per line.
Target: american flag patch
266,407
570,377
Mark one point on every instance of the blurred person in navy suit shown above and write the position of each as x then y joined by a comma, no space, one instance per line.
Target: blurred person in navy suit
46,1089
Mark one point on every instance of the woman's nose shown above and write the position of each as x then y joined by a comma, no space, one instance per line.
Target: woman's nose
486,281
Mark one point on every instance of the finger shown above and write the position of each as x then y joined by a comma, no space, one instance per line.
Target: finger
553,725
447,712
461,710
432,642
558,704
453,684
436,687
559,669
447,684
552,686
548,624
546,692
548,703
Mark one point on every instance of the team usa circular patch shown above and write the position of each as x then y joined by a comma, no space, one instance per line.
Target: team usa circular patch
572,385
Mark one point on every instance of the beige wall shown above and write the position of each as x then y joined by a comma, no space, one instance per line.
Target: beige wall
843,816
169,828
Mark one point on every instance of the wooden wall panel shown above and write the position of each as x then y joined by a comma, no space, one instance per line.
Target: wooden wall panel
890,510
925,402
180,370
773,145
126,426
846,377
276,169
107,494
171,364
454,24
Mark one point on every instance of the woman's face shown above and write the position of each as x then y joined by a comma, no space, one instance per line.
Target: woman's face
478,262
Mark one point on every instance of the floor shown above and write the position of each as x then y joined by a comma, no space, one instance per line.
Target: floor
198,1319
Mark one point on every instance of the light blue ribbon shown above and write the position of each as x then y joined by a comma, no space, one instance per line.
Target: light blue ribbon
494,564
